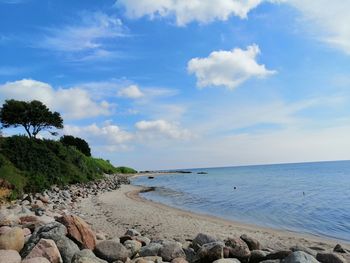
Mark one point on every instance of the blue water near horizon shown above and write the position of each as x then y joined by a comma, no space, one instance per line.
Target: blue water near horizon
309,198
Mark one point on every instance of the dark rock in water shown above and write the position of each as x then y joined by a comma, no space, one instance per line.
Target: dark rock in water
330,258
300,257
111,251
279,254
238,248
252,243
210,252
202,239
338,248
150,177
171,250
202,173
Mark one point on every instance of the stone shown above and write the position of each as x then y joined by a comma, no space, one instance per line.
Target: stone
210,252
36,260
46,248
132,233
202,239
271,261
179,260
79,231
7,218
227,260
149,259
12,239
26,232
304,249
252,243
330,258
67,248
111,251
153,249
237,248
4,229
171,250
133,246
9,256
100,236
190,254
85,256
143,240
300,257
257,256
278,254
338,248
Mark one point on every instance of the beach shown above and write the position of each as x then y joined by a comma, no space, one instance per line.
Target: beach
114,212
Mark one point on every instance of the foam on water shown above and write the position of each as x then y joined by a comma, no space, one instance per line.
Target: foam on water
308,197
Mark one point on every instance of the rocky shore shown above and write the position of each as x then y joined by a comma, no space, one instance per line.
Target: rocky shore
50,227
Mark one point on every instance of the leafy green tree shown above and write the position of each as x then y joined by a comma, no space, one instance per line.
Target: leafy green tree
34,116
79,143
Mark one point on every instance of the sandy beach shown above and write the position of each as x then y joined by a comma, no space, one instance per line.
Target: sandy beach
114,212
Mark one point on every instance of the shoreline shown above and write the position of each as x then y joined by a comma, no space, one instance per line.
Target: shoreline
114,212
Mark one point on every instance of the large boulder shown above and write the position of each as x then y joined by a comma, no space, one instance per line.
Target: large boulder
171,250
300,257
304,249
153,249
202,239
252,243
257,256
83,255
210,252
111,251
237,248
9,256
67,248
46,248
278,255
330,258
79,231
12,239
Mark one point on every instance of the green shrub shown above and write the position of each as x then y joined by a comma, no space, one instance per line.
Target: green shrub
79,143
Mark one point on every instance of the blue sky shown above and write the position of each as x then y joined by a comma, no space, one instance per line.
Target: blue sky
173,84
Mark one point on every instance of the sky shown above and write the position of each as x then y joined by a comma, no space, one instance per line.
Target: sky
163,84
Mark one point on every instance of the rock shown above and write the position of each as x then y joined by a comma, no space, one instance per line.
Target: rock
4,229
85,254
279,254
171,250
153,249
329,258
271,261
143,240
67,248
338,248
252,243
202,239
237,248
300,257
37,204
133,246
7,218
304,249
12,239
100,236
36,260
111,251
9,256
46,248
210,252
29,221
150,259
179,260
79,231
257,256
190,254
125,238
227,260
132,233
26,232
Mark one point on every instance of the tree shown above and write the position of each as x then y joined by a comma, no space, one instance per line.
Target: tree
79,143
34,116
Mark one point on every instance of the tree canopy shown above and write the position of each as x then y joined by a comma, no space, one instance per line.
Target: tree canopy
34,116
79,143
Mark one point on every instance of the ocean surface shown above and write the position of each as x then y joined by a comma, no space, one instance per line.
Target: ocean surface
306,197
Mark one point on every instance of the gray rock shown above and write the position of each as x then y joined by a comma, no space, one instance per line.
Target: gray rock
279,254
202,239
227,260
210,252
271,261
190,254
133,246
36,260
153,249
67,248
9,256
300,257
257,256
171,250
82,256
237,248
132,233
252,243
111,251
304,249
143,240
329,258
338,248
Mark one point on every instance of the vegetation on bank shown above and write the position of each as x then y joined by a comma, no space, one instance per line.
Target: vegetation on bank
33,165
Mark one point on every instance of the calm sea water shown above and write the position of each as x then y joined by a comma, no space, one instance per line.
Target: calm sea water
308,197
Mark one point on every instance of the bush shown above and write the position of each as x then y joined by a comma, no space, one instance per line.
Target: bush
79,143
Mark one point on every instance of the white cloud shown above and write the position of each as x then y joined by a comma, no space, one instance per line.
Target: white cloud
131,92
73,103
203,11
162,127
85,40
228,68
329,20
108,136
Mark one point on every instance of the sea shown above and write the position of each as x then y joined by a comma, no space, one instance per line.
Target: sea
312,198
